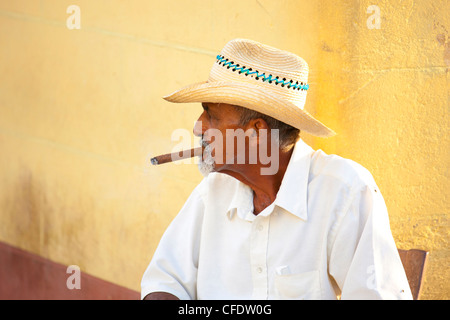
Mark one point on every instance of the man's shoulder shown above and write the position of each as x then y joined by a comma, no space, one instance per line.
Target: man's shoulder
347,171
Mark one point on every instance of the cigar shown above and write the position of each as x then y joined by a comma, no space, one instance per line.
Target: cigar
175,156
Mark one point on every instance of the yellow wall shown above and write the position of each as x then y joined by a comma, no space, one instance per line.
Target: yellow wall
81,113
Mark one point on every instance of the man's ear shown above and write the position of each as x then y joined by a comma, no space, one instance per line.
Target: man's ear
256,125
255,130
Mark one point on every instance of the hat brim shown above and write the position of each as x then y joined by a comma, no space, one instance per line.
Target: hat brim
254,98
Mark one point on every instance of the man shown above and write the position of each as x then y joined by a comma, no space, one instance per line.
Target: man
273,219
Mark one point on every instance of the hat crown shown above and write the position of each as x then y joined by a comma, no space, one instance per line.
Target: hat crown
278,71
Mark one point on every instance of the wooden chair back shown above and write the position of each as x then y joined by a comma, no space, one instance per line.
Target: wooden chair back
414,262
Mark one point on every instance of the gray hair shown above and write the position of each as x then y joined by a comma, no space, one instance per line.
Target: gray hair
288,135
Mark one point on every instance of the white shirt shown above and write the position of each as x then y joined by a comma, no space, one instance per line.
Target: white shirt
326,234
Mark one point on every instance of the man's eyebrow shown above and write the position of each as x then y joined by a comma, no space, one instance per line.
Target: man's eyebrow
210,112
205,107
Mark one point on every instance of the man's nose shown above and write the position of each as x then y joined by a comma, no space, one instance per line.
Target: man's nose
198,128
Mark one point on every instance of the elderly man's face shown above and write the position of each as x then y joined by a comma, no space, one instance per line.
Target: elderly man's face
217,122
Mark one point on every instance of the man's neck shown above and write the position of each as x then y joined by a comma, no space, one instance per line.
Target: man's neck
265,187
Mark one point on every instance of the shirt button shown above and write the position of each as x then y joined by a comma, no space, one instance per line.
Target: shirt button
260,227
259,270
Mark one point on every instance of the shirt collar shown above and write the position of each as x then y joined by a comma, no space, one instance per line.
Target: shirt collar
292,195
242,201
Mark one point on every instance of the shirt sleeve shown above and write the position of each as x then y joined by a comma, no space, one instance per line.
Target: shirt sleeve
173,268
364,259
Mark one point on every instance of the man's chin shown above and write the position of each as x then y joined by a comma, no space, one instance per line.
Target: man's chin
205,168
206,164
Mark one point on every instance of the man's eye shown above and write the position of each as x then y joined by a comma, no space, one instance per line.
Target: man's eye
210,116
215,118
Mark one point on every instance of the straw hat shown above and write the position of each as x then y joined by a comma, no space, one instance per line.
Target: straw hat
258,77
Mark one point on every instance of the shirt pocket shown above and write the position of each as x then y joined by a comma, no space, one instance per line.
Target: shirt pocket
300,286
